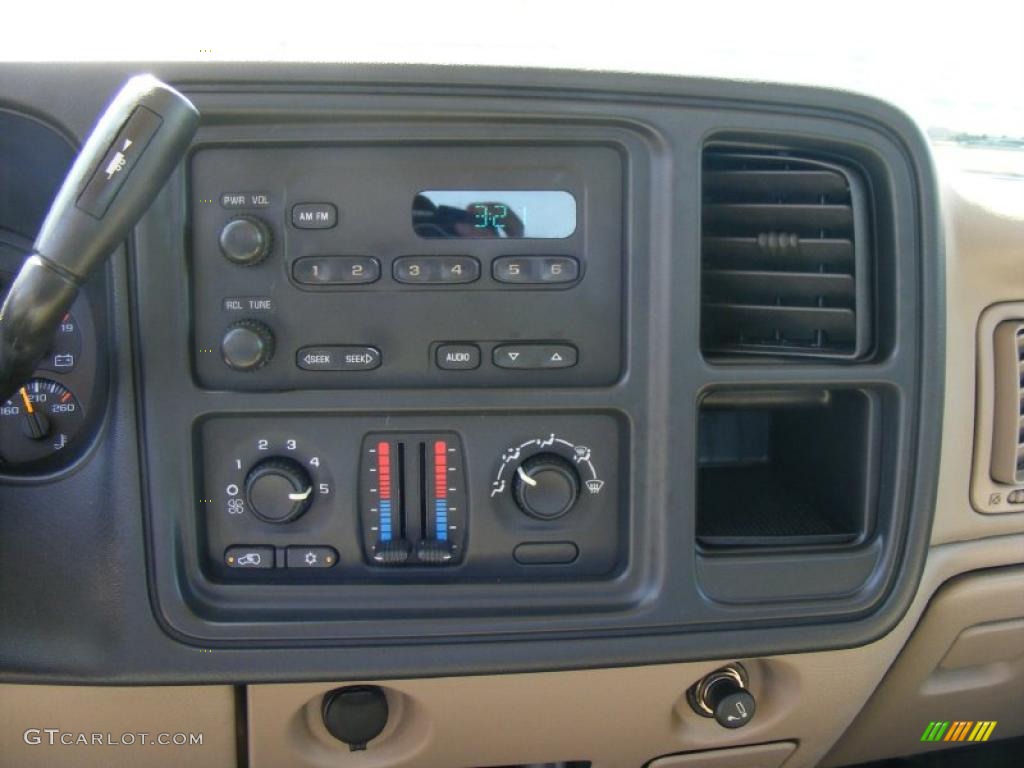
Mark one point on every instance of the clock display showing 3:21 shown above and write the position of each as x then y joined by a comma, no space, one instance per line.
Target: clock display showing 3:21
493,216
499,214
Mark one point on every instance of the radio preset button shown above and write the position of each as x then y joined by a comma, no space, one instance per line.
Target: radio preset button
535,270
314,216
338,358
336,270
458,357
558,269
514,269
535,356
436,270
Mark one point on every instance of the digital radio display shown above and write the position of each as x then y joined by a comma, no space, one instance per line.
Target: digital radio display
509,214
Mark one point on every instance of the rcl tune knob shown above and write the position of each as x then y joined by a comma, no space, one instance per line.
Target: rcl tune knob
724,696
245,240
546,486
247,345
278,490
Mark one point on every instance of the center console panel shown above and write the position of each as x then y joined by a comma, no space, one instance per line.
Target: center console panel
552,374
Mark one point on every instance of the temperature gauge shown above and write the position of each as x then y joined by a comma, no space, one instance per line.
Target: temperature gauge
39,420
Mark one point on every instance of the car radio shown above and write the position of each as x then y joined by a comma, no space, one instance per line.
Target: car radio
389,266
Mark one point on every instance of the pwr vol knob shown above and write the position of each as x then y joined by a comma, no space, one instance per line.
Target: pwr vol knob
245,240
278,490
247,345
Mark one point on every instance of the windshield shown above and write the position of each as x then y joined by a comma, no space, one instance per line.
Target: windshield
957,69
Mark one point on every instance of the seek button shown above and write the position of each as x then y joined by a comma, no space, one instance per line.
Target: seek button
338,358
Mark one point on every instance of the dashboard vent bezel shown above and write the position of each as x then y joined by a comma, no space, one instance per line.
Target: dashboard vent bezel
1008,413
785,246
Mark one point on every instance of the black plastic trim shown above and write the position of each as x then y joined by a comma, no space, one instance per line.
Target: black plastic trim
101,628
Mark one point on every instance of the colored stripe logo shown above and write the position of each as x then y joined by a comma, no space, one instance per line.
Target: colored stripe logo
959,730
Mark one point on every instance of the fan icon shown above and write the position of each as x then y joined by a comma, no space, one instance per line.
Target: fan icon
310,558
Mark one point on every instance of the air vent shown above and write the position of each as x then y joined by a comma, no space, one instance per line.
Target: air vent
783,255
1008,421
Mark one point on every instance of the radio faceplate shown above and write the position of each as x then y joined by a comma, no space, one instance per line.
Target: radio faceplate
349,266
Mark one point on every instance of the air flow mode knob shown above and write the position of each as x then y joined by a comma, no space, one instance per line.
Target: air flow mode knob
546,486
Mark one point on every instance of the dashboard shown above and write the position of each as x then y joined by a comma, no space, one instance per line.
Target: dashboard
494,392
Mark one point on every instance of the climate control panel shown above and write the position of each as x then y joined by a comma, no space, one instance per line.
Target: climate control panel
324,267
412,498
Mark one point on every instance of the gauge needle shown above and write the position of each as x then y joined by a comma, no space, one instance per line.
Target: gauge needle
28,403
526,478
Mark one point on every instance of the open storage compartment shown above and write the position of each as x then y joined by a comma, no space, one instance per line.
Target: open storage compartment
786,467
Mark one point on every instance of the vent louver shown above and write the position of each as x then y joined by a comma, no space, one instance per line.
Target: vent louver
1008,421
784,270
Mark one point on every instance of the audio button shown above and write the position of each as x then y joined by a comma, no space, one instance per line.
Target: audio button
458,357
